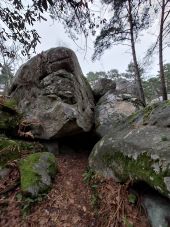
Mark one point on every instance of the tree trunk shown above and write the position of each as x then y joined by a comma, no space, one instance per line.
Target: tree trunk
137,70
162,75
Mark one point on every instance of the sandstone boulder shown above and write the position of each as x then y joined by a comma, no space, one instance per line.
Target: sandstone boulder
109,110
53,94
102,86
137,149
37,171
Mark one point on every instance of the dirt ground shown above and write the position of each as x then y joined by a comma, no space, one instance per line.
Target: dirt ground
69,203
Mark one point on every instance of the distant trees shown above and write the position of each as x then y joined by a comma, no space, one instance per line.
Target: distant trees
129,18
163,33
8,64
112,74
151,86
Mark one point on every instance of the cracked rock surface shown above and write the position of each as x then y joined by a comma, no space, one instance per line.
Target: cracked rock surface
52,92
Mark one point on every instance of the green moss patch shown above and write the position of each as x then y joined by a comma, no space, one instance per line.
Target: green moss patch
10,103
9,151
13,149
36,172
140,169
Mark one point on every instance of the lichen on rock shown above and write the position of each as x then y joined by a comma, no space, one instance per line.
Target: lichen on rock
137,151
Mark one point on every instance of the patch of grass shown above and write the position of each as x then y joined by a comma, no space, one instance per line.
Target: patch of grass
27,202
127,223
132,198
90,178
148,111
10,103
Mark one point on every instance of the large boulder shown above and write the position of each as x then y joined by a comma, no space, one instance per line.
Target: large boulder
124,86
102,86
109,110
138,149
53,94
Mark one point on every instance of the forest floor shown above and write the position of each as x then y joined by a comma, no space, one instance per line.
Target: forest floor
77,199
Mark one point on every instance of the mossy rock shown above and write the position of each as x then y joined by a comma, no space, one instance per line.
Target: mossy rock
37,171
153,114
9,117
137,154
13,149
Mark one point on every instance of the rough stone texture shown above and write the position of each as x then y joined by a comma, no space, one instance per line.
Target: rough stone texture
9,117
124,86
102,86
110,110
36,172
157,209
137,150
52,92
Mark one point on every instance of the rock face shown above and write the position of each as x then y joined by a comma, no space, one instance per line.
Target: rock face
157,208
110,110
138,149
52,92
9,117
36,172
102,86
124,86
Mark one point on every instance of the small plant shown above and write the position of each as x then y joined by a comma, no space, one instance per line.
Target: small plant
11,103
88,176
27,202
90,179
132,198
127,223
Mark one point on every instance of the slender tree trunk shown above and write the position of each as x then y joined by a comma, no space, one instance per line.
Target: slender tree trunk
137,70
162,75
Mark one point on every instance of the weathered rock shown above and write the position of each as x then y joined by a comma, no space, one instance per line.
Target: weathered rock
137,150
157,209
9,117
124,86
37,171
102,86
52,147
52,93
110,110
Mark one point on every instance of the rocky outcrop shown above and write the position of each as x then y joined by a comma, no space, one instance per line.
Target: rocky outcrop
124,86
9,117
137,149
109,110
52,92
37,171
157,208
102,86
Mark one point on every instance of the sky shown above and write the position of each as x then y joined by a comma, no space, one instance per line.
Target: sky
118,57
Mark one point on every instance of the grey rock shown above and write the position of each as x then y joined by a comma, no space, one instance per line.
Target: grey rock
102,86
124,86
52,147
4,172
135,149
53,94
110,110
37,171
157,209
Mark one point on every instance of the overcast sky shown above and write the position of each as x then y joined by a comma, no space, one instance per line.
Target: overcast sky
53,35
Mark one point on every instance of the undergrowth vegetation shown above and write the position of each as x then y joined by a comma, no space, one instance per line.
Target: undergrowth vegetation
113,203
